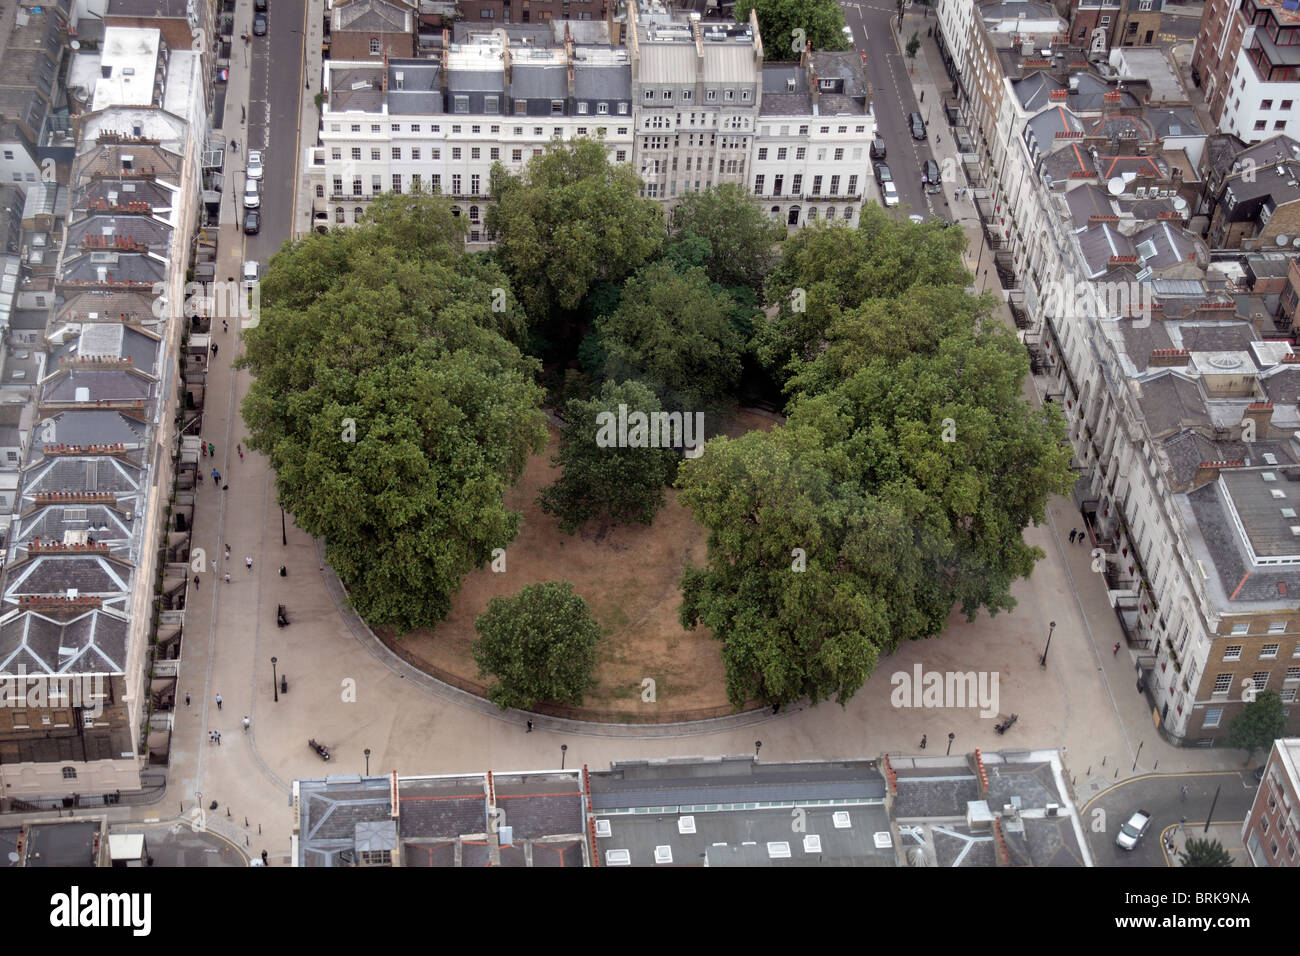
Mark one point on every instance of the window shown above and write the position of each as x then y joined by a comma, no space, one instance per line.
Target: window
835,185
667,94
602,109
830,212
1286,104
490,105
824,130
538,131
494,153
397,152
649,95
455,184
839,154
1266,104
1292,674
435,182
336,154
622,131
1232,652
729,96
455,152
1261,680
582,108
800,153
476,129
356,185
762,152
582,131
1277,627
1242,627
1144,5
320,194
803,130
356,152
817,186
853,185
1105,21
460,104
474,181
620,156
1261,124
338,185
69,773
622,108
777,182
375,184
710,96
780,153
339,215
356,127
473,213
1279,124
397,182
474,152
374,155
758,185
374,46
517,155
415,153
357,213
687,96
1268,652
796,183
433,154
1222,682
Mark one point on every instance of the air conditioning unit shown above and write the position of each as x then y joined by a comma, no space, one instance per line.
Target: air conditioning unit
1053,809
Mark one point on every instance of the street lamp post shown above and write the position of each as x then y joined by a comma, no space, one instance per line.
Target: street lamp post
1042,661
284,535
275,683
564,752
951,738
367,761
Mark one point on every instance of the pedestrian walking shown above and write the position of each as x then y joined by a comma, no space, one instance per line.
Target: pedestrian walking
218,702
218,738
1115,650
212,736
198,477
187,703
241,452
227,577
224,326
1073,533
212,449
264,858
214,348
227,552
203,449
923,741
248,562
1184,797
196,582
216,476
245,723
530,728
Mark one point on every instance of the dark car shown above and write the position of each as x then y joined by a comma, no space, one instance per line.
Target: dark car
918,125
878,147
252,222
259,6
883,175
259,24
930,176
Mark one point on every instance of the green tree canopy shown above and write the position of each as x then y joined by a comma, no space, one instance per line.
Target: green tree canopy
1259,724
610,484
394,404
743,240
821,22
540,645
673,331
826,270
905,474
1204,853
569,219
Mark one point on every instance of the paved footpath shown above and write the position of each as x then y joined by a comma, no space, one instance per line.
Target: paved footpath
346,690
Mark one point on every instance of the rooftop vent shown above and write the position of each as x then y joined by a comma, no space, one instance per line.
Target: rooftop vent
841,819
685,824
618,858
602,828
663,854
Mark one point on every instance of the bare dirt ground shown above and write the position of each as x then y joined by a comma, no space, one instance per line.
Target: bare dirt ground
629,578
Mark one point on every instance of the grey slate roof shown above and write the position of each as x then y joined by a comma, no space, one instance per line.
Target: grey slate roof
34,642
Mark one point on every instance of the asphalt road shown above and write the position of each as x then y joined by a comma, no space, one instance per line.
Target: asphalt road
275,92
887,71
1161,794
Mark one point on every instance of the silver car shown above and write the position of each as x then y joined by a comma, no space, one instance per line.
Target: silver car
252,194
254,170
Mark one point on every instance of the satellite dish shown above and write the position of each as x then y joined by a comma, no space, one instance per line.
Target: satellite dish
1296,242
75,44
1283,239
1115,186
1180,204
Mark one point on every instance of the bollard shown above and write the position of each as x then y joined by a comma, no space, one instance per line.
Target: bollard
1103,761
1088,772
1116,777
259,829
245,821
227,812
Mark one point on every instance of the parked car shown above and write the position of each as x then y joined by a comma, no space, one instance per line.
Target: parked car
930,176
252,194
848,34
883,175
254,170
252,222
252,270
259,24
878,147
916,220
889,193
918,125
1133,830
259,6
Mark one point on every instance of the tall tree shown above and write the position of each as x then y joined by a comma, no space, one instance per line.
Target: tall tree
785,25
393,404
1204,853
673,331
1259,724
540,645
743,240
827,270
570,219
614,485
904,477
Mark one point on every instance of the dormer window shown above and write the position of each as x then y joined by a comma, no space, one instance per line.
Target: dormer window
374,46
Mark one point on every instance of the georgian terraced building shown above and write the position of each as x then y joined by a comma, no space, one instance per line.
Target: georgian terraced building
688,104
